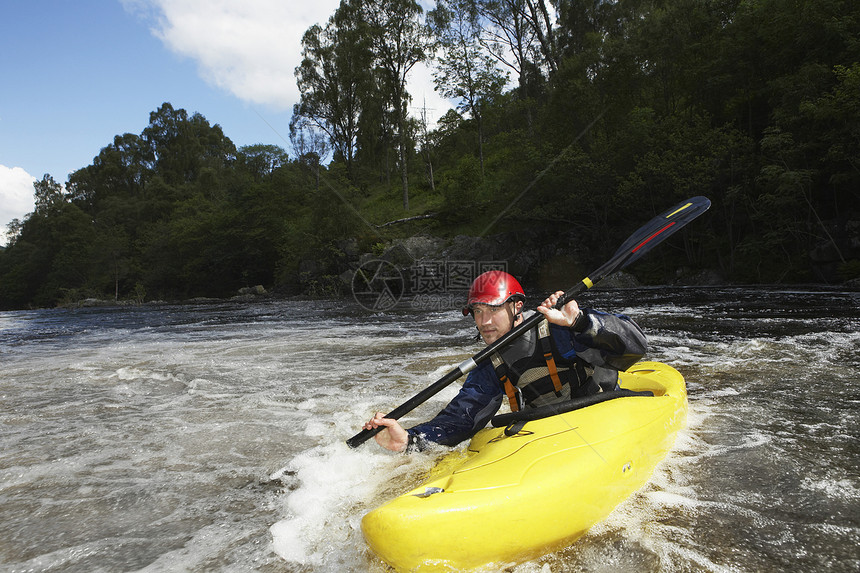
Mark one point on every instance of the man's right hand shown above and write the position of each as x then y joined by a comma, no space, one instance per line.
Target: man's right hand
393,437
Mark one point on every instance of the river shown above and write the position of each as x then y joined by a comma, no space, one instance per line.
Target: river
210,437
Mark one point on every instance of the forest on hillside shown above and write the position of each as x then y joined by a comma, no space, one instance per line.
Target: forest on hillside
583,117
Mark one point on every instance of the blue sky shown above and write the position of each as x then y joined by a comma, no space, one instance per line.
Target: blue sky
78,72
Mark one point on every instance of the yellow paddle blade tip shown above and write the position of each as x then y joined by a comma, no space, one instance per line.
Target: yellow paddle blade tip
676,211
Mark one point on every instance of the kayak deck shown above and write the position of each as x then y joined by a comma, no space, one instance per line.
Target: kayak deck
512,498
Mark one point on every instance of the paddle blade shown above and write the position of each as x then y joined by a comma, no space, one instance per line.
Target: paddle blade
643,240
661,228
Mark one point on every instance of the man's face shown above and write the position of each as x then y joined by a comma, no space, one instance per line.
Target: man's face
494,321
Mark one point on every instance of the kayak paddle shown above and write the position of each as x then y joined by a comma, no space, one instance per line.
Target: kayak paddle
640,242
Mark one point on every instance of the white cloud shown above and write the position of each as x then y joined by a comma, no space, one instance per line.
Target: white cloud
251,48
16,196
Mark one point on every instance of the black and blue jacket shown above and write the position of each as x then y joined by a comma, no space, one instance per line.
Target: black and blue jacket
592,352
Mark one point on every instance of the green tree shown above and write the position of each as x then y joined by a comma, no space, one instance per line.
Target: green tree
506,35
333,78
183,146
309,144
399,42
48,195
542,22
13,231
51,255
465,71
831,121
261,161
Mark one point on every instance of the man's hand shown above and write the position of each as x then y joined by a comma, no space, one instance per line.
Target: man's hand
393,437
566,316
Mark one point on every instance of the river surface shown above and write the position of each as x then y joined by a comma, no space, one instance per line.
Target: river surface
210,437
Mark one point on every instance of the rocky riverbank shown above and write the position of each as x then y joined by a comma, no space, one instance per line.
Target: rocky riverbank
425,264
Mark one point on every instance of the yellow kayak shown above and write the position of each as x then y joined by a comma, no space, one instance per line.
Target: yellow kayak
511,498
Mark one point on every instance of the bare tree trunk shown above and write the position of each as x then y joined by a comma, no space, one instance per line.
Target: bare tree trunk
403,167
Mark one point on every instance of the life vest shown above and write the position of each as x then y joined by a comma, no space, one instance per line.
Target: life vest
533,373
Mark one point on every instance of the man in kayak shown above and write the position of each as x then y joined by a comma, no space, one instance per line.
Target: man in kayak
574,352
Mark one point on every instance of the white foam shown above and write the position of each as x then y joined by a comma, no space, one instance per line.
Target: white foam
335,487
721,393
836,489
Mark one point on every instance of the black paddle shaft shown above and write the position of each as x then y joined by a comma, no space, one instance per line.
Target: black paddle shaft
640,242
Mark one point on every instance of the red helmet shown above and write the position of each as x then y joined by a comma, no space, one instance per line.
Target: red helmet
494,288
